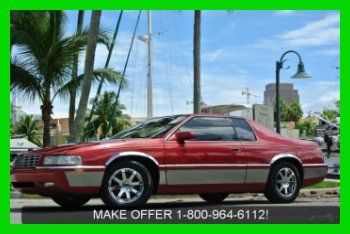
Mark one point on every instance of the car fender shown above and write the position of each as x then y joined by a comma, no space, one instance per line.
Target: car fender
285,156
131,153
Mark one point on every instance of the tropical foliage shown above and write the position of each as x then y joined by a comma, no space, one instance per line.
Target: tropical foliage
292,112
29,127
331,114
43,66
97,128
308,126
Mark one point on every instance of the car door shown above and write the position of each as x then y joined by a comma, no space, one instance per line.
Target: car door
257,153
213,157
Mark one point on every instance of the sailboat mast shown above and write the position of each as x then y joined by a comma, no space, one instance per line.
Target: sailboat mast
149,75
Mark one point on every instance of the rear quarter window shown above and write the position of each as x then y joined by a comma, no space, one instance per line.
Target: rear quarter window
243,130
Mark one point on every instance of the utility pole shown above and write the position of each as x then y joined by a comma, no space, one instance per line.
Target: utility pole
197,62
149,75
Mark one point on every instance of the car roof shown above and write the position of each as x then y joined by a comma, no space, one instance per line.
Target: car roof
215,115
202,115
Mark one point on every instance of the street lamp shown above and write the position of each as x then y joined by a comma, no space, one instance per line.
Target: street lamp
301,74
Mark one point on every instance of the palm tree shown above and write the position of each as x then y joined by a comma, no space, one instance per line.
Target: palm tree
72,93
30,128
88,73
100,120
196,62
44,65
290,112
295,112
308,126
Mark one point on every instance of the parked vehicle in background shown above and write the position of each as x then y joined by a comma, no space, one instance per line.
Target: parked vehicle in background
211,155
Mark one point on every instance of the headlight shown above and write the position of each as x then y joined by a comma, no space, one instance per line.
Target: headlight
63,160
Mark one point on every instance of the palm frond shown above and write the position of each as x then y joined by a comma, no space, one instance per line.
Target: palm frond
24,81
108,74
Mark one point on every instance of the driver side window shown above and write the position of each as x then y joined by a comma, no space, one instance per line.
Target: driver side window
210,129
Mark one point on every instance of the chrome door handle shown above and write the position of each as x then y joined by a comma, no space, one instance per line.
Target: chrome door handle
236,149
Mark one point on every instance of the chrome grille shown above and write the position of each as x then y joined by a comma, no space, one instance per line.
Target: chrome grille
26,161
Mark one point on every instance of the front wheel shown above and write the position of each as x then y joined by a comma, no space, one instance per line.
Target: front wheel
70,201
213,197
283,184
127,184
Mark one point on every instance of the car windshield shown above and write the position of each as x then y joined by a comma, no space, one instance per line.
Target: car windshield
152,128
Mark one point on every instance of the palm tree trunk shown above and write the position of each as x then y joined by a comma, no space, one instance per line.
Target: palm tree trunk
46,111
72,93
196,62
88,69
72,98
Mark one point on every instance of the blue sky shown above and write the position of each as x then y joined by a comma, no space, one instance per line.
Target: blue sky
239,50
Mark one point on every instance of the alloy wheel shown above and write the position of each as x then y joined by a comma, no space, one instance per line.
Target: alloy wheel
286,182
126,185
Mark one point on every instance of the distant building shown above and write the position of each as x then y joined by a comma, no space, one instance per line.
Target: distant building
287,93
136,120
59,130
16,113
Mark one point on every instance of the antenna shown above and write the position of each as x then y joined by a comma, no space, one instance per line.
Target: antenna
247,93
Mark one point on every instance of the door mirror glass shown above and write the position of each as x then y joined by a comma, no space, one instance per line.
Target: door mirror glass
184,135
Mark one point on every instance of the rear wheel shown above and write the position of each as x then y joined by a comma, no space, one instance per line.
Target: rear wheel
127,184
70,201
284,183
213,197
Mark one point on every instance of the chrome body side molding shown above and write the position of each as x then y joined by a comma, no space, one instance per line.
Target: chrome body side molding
131,153
83,167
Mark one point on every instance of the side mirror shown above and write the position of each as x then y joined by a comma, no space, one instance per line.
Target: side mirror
185,135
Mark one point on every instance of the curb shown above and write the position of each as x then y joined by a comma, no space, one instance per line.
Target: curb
15,195
18,195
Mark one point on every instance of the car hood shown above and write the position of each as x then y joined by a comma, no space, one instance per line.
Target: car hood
62,149
93,145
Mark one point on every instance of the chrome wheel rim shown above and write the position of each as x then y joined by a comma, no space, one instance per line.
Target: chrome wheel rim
125,185
286,182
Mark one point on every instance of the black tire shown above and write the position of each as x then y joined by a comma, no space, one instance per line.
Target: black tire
70,202
213,197
145,189
272,192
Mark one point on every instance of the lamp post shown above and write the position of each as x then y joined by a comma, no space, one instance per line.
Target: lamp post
299,75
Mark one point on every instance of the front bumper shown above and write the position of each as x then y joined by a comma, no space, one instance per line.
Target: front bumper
47,181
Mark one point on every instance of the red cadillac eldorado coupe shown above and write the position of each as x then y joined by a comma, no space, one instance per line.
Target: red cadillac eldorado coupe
205,154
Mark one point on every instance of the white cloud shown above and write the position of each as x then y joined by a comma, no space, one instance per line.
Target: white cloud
319,95
285,12
328,52
322,32
214,55
330,96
